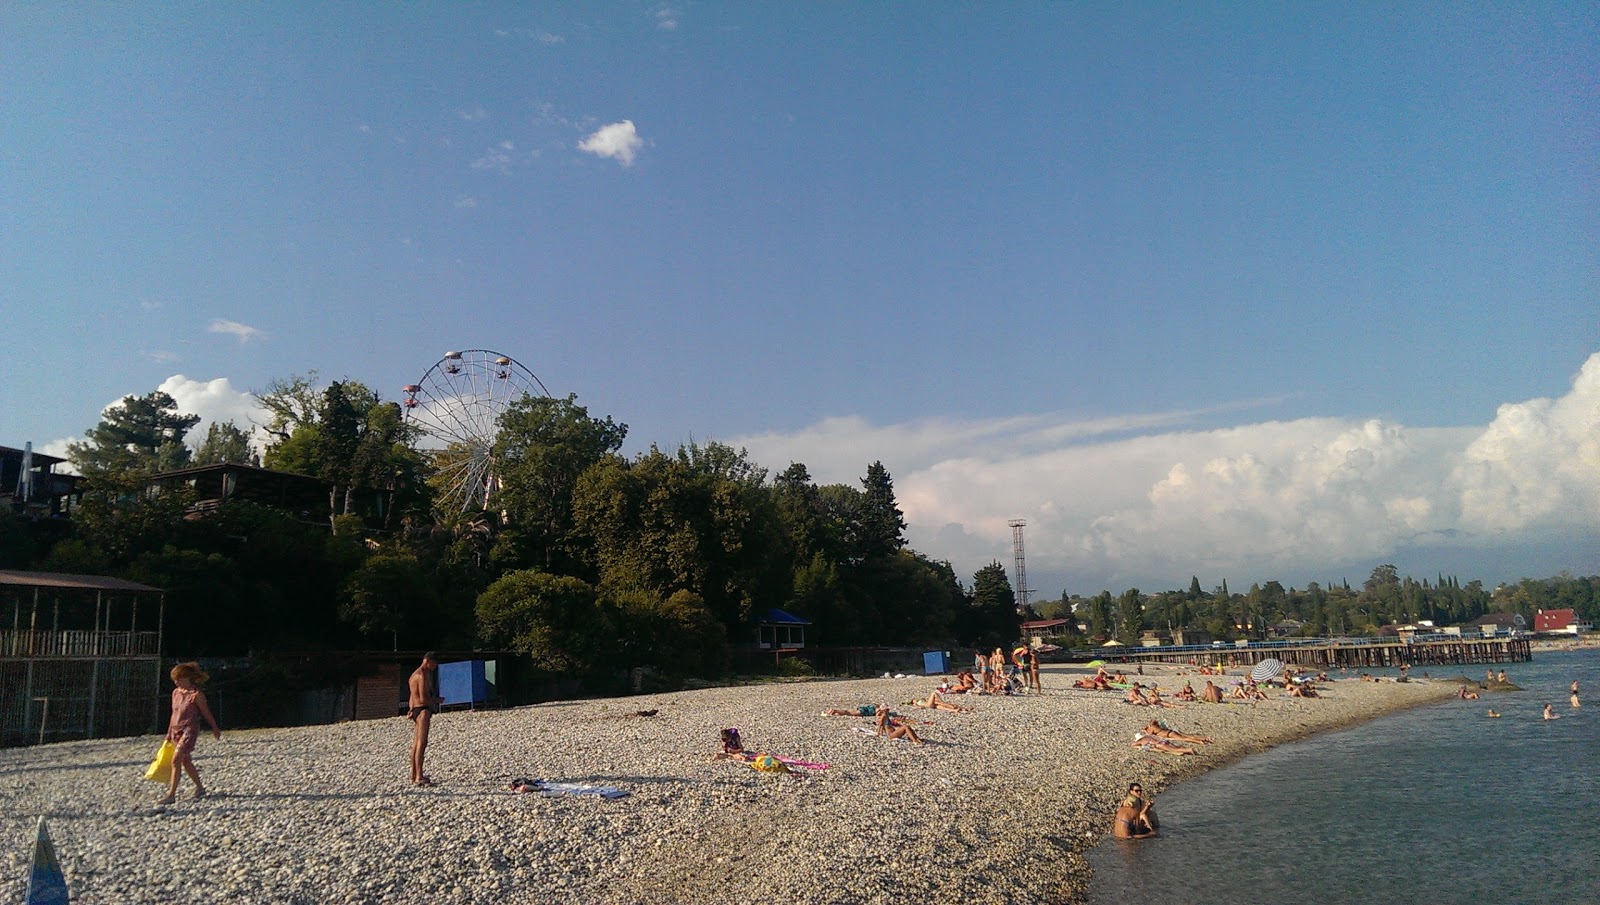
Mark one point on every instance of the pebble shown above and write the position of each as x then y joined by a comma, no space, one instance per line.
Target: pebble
1011,794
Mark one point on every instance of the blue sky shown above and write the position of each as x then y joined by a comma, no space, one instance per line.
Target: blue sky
1242,291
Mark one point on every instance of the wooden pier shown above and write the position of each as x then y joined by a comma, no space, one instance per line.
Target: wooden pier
1341,655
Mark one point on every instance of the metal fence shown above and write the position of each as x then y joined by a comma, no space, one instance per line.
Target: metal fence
50,700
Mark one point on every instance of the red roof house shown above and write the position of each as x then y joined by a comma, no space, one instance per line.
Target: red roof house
1556,621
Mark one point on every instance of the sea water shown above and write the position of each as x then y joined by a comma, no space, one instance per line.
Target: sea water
1440,804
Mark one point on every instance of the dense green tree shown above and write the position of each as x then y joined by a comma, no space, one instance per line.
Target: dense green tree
1130,616
135,438
543,446
553,619
880,525
676,636
991,619
226,443
387,595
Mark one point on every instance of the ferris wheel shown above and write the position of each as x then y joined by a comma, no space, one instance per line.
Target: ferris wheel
457,407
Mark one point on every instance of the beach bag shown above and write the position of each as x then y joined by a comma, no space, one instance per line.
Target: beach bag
161,767
766,763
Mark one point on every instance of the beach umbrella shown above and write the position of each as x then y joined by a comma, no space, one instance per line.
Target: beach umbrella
1270,668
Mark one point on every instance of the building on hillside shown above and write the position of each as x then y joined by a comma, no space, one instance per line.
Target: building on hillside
1564,621
781,631
1490,624
1191,637
1155,638
81,659
1037,631
302,495
29,481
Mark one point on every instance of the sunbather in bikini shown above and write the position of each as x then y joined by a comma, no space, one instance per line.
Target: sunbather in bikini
865,710
934,702
890,726
1151,743
1186,693
1162,730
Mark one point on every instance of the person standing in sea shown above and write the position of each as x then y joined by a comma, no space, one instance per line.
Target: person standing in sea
423,704
1575,693
183,729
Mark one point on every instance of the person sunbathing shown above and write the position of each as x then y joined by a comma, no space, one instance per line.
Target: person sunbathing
865,710
1186,693
1152,696
964,683
1135,696
1466,695
890,726
1146,742
1211,694
1162,730
934,702
1301,691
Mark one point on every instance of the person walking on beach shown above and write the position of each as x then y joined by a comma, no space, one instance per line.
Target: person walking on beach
183,728
423,704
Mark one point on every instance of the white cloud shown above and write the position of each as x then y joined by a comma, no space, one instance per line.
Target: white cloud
666,18
1265,500
475,114
545,37
244,332
466,202
495,158
618,141
161,357
214,401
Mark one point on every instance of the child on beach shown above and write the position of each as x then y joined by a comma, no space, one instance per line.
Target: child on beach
183,728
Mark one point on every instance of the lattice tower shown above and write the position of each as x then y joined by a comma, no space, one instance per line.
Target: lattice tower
1021,563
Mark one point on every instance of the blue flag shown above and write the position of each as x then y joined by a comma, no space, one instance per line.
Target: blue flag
46,884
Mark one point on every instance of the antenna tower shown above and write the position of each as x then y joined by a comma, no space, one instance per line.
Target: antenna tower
1021,563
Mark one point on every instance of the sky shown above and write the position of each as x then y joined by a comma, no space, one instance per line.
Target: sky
1243,292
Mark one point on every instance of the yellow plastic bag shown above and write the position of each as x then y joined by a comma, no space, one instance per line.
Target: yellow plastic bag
161,768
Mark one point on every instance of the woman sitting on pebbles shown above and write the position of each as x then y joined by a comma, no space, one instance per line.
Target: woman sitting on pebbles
1186,693
964,683
890,726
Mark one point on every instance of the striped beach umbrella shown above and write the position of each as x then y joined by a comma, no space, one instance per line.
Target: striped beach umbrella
1270,668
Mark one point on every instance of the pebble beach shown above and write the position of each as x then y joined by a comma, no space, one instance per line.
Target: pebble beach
996,807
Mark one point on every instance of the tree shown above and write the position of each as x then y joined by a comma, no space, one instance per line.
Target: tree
991,620
551,618
1130,616
543,446
677,636
880,529
137,437
226,443
388,593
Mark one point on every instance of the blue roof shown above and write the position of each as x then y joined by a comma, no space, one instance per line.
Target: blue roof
784,618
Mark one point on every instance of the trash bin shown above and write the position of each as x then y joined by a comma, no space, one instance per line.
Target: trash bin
935,663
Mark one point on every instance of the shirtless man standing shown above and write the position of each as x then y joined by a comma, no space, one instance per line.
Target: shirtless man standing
424,703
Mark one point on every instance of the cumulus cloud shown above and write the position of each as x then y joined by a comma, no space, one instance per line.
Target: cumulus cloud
244,332
214,401
1138,499
618,141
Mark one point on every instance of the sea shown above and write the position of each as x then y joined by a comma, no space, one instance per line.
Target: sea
1437,805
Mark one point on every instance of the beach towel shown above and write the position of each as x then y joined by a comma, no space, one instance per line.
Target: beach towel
548,787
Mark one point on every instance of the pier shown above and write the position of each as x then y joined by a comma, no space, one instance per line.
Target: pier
1343,653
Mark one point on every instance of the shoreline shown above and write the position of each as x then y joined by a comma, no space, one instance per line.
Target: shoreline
1000,806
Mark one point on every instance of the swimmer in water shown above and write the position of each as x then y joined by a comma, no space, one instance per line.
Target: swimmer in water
1550,714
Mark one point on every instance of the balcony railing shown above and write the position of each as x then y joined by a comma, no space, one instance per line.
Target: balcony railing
79,644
